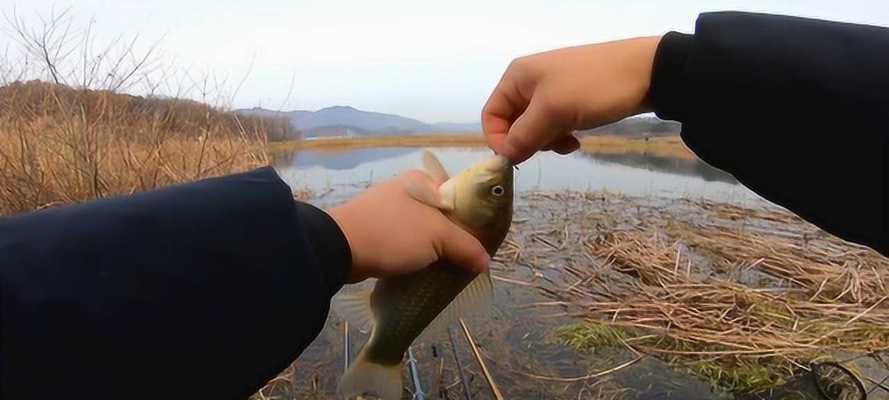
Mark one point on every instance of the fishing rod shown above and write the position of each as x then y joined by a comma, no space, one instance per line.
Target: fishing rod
347,352
415,375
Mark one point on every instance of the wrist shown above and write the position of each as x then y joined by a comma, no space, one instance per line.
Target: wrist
342,216
327,242
667,95
644,59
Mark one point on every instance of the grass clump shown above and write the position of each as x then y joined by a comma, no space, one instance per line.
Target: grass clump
740,375
588,336
728,374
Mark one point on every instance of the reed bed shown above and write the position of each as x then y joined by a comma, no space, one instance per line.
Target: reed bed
744,297
60,145
665,146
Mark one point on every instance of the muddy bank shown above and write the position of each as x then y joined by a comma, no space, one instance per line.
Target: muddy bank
605,296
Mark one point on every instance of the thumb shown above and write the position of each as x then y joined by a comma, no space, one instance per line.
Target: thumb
535,129
464,250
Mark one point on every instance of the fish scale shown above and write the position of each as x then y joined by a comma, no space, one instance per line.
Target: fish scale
412,302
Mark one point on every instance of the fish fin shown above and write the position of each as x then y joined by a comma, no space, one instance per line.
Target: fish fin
355,308
367,378
477,296
425,192
433,167
447,193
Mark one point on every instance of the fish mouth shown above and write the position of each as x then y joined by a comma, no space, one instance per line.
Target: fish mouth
496,163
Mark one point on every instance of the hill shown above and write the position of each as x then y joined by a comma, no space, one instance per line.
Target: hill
340,121
350,121
642,126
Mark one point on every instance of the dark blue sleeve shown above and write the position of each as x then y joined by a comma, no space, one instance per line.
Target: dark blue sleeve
795,108
204,290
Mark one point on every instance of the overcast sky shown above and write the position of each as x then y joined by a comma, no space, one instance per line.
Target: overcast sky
435,61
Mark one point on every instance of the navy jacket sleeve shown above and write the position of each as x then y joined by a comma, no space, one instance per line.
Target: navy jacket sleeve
795,108
204,290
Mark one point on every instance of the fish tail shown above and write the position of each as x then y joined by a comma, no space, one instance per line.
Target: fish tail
366,377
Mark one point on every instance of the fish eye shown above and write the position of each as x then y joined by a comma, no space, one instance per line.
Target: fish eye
497,190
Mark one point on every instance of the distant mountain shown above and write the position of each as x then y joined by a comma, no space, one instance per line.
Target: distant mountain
449,127
643,126
349,121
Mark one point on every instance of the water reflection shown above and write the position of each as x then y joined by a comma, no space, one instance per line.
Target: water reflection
344,172
671,165
338,160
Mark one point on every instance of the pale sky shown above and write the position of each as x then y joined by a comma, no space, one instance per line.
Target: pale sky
434,61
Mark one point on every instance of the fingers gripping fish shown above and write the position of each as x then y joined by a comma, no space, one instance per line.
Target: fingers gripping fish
479,200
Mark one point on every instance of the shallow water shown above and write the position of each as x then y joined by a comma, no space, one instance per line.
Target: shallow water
517,340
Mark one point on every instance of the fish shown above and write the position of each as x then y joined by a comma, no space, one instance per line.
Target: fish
479,200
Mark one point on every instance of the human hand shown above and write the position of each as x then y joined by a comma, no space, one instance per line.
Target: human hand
543,97
391,233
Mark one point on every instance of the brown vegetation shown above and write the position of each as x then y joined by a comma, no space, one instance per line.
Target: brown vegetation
61,145
349,143
745,297
665,146
69,133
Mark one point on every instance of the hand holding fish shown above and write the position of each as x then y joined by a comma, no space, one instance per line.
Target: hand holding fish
391,233
543,97
403,235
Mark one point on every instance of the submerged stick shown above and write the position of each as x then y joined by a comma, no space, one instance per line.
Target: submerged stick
346,347
585,377
466,393
478,357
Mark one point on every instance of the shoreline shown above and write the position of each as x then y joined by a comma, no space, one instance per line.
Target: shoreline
665,146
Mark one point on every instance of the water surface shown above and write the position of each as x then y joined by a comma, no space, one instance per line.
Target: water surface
341,173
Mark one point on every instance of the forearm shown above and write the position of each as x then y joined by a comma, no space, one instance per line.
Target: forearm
225,280
794,108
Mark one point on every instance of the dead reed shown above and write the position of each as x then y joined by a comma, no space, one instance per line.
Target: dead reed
667,146
60,145
742,296
70,132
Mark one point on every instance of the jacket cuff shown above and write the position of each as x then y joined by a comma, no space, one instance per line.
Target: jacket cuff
328,242
669,91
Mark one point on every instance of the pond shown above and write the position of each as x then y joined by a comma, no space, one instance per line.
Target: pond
517,341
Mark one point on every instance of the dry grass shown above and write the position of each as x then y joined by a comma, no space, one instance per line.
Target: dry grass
59,145
743,297
344,144
668,146
69,131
